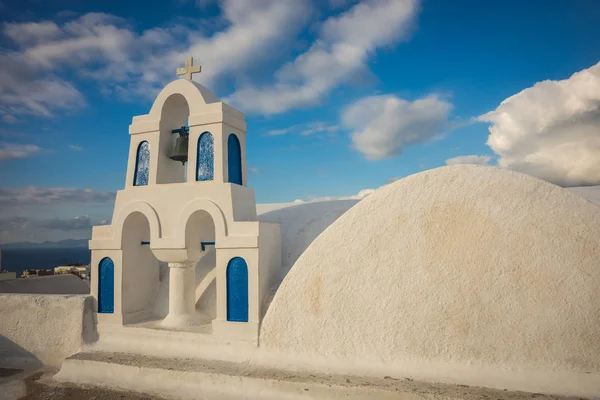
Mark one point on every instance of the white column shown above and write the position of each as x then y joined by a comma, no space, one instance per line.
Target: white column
182,295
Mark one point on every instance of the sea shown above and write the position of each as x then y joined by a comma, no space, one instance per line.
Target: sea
18,260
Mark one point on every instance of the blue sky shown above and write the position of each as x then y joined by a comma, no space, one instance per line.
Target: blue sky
339,95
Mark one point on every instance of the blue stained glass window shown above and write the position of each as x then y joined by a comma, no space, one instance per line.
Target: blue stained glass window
234,159
237,290
142,164
106,286
205,167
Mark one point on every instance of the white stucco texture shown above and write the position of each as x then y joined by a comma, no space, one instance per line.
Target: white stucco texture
44,329
457,265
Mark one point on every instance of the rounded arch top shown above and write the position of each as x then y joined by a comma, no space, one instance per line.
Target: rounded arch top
144,208
195,95
218,219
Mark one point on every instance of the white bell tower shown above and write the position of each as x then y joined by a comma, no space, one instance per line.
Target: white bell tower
182,214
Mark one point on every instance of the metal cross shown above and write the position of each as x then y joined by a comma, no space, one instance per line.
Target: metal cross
189,69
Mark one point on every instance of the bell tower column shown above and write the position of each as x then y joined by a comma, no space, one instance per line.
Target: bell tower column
182,296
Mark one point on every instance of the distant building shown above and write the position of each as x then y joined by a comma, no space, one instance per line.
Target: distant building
36,272
81,271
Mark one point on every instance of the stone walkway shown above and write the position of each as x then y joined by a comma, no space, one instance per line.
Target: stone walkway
39,387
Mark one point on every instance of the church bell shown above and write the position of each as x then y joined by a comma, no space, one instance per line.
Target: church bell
180,151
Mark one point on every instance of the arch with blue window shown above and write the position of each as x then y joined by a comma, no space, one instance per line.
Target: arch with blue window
234,159
106,286
142,164
237,290
205,165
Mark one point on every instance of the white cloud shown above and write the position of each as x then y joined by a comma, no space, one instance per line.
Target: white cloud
9,118
62,224
256,30
472,159
319,127
34,196
31,32
10,151
20,228
359,196
28,80
551,130
37,214
250,36
14,224
383,125
90,38
106,49
75,147
24,91
341,51
253,170
307,129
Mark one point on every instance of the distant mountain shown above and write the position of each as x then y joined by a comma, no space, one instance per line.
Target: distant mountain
63,244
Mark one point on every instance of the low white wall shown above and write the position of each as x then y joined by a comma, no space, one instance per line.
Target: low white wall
46,328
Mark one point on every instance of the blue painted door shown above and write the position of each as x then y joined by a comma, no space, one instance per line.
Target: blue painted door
234,159
205,167
142,164
106,286
237,290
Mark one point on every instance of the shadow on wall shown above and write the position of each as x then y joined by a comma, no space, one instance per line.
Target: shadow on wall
48,328
14,356
206,303
89,329
300,225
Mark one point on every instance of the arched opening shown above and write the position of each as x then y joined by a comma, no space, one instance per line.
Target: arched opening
174,115
106,286
237,290
234,159
205,166
200,242
140,271
142,164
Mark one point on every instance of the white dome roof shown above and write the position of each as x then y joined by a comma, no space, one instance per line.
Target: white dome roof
459,265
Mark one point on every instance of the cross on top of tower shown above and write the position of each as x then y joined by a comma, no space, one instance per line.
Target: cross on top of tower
189,69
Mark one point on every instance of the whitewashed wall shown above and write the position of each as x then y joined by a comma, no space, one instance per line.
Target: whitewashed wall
44,328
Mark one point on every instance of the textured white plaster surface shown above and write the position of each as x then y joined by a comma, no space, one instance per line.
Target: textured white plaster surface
465,266
48,328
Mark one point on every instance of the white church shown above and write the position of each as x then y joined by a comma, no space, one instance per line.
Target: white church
185,201
479,280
